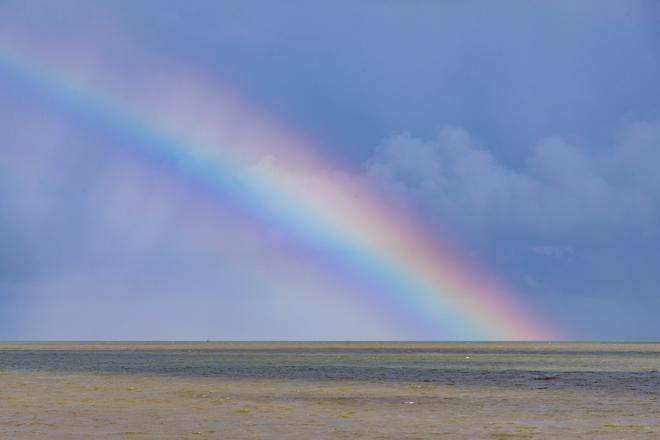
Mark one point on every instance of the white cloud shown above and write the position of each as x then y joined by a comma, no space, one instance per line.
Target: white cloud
554,250
562,193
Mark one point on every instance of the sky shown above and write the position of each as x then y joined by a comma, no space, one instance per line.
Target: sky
524,137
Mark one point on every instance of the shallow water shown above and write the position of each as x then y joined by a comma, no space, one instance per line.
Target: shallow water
329,390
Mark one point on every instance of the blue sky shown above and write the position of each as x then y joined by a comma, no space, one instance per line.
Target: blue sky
529,131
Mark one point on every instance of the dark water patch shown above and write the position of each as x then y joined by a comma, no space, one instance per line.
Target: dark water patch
505,369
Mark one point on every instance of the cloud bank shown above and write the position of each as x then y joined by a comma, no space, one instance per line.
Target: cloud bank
562,191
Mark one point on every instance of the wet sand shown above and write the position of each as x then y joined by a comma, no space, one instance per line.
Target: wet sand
329,390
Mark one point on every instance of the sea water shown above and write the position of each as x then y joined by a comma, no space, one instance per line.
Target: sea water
328,390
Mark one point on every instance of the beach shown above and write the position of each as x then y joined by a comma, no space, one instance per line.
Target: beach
327,390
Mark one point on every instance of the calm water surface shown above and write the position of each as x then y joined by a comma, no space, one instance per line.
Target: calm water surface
329,390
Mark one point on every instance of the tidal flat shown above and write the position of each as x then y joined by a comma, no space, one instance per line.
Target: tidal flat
329,390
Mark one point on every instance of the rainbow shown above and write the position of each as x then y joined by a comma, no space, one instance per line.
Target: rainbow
342,219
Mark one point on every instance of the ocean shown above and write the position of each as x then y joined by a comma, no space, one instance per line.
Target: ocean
329,390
